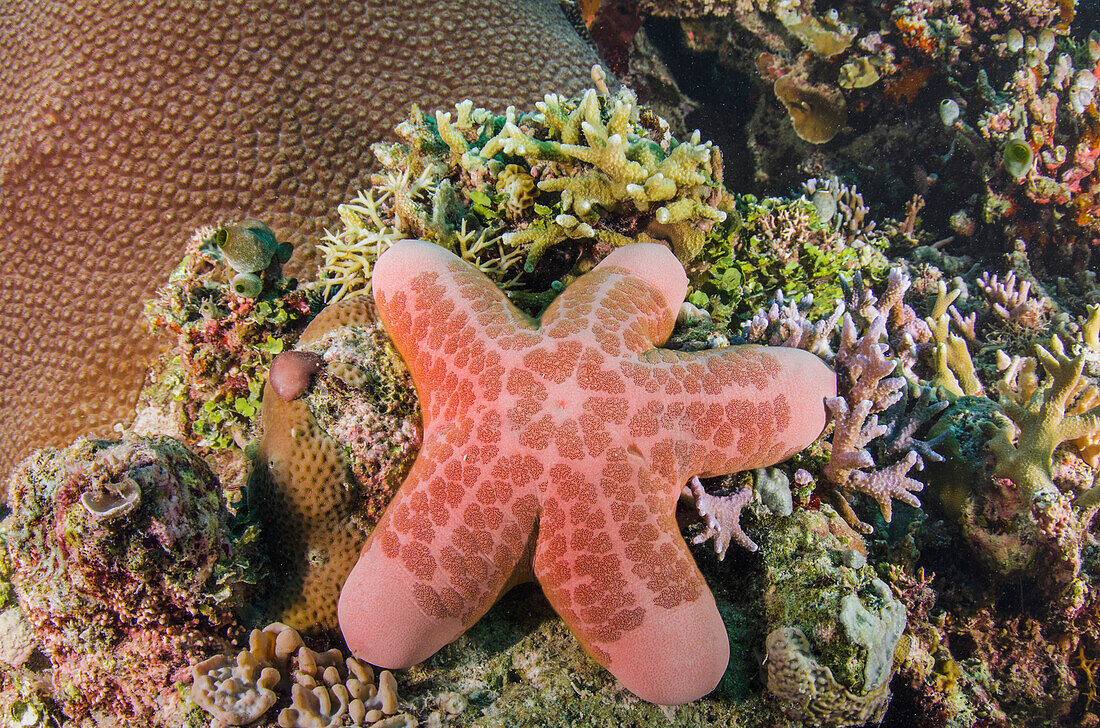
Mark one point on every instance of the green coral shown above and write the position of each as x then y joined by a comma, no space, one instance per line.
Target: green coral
779,244
820,584
575,178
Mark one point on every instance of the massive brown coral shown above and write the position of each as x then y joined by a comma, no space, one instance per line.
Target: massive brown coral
124,126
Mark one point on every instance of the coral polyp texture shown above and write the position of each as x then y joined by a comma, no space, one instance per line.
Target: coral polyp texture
124,126
576,424
331,457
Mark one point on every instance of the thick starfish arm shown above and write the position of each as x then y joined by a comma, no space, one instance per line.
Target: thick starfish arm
741,407
449,323
442,553
637,290
614,566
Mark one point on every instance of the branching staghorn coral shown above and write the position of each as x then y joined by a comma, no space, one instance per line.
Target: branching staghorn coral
325,689
867,391
1011,300
848,212
578,176
722,517
786,324
955,374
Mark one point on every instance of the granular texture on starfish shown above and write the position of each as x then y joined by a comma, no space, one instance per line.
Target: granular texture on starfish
125,125
566,440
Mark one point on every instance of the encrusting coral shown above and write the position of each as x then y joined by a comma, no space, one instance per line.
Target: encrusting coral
208,384
319,690
330,457
504,438
127,567
833,626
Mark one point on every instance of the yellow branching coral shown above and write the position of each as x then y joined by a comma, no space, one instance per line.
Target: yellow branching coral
589,174
1043,422
955,371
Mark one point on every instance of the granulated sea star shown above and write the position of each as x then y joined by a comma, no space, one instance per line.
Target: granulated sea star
567,440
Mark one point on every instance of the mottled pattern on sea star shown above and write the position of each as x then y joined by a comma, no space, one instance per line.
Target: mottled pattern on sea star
126,124
577,428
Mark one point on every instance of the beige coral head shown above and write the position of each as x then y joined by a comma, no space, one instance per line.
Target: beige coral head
817,113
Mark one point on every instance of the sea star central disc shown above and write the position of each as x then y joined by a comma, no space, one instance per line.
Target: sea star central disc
566,439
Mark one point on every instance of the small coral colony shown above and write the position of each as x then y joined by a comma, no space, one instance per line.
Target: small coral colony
822,458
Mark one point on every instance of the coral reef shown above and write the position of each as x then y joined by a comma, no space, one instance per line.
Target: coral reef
532,198
207,387
789,245
911,199
124,126
504,436
987,111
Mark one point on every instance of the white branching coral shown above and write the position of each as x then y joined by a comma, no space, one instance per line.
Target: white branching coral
842,208
351,252
326,690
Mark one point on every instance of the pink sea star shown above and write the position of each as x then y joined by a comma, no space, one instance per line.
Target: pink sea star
563,444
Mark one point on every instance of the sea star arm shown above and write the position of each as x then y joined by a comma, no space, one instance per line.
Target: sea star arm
637,290
442,553
613,564
749,406
440,313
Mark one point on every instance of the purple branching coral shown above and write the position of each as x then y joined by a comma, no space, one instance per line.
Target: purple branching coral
868,392
1011,300
721,517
